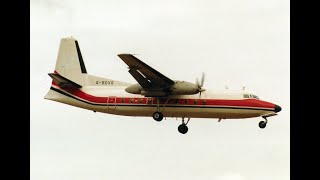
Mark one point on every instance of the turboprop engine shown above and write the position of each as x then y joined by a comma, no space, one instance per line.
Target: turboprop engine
178,88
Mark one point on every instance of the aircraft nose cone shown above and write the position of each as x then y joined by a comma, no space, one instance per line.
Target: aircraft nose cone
277,108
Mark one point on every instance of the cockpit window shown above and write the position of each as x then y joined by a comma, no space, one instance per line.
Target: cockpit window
250,96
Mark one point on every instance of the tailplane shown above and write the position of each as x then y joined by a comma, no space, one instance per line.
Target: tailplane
62,81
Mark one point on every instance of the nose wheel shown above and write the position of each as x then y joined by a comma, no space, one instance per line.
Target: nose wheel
183,128
263,124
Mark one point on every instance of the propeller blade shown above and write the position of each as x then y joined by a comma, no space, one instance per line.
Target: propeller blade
202,79
200,84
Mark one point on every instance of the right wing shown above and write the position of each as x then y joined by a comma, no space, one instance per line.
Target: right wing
145,75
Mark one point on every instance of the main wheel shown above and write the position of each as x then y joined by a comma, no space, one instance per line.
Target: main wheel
262,124
183,129
158,116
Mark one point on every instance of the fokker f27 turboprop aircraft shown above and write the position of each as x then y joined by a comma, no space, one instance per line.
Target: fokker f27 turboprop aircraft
154,95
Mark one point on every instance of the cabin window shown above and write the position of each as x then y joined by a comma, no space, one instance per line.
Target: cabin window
149,100
245,96
186,101
204,102
131,100
195,102
140,100
122,100
256,97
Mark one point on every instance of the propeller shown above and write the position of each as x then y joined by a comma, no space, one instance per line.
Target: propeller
200,84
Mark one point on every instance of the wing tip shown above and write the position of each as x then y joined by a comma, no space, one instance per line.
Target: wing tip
127,54
124,54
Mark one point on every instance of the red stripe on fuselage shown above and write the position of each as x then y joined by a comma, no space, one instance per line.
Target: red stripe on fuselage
85,96
143,100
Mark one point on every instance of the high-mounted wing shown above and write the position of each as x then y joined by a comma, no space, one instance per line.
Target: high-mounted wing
145,75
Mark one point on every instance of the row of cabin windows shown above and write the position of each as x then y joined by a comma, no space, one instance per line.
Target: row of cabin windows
250,96
186,101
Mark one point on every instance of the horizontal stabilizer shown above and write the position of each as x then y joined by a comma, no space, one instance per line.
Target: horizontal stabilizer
62,81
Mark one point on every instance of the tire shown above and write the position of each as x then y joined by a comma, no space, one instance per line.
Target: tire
183,129
262,124
158,116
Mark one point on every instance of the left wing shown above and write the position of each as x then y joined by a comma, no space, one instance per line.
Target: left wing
145,75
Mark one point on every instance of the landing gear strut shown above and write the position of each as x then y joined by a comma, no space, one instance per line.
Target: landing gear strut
263,124
158,116
183,128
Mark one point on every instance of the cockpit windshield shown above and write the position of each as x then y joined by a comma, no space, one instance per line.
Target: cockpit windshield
250,96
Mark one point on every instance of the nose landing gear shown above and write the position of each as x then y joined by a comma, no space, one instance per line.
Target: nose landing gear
263,124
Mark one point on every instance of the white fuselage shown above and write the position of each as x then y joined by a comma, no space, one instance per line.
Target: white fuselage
115,100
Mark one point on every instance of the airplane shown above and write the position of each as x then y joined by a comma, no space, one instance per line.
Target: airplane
154,94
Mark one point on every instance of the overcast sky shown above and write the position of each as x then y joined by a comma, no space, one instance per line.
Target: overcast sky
236,43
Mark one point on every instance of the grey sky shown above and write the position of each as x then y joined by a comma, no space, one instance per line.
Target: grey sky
236,43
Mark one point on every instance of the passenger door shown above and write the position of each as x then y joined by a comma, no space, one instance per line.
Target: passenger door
112,102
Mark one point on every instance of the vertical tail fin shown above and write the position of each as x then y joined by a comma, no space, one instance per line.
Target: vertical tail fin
69,63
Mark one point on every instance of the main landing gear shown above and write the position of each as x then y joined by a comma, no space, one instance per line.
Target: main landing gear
183,128
263,124
158,116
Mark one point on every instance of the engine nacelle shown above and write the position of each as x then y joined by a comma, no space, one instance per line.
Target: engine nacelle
153,93
184,88
178,88
134,89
